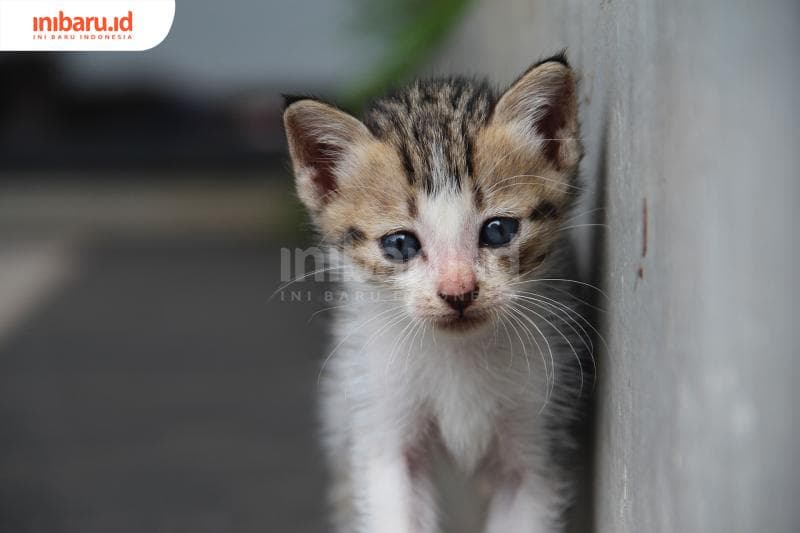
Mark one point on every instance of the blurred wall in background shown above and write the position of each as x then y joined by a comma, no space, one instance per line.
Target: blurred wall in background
691,127
210,94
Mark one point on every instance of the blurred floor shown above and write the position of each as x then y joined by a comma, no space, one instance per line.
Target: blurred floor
149,385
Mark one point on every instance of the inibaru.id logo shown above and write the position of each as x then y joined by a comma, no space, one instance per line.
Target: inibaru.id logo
84,25
63,26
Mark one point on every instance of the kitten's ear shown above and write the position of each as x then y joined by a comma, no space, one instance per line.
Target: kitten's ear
322,142
542,107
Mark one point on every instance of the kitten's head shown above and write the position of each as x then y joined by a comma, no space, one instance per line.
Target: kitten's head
445,193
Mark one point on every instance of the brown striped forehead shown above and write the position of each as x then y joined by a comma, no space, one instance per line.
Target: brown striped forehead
509,172
375,199
433,125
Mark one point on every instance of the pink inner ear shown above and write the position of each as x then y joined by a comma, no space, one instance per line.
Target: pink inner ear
553,119
322,158
318,156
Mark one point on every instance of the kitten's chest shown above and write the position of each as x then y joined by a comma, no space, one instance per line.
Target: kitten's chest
464,410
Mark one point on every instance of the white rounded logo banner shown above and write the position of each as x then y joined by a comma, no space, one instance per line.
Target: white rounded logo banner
84,25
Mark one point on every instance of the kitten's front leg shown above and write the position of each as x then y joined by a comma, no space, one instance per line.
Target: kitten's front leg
523,503
395,492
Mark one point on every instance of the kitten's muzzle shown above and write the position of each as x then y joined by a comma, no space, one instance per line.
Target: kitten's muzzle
458,285
459,302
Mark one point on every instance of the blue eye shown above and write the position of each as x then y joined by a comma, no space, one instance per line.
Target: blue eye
401,246
498,231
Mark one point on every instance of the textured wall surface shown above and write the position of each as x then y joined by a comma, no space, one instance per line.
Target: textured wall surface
689,109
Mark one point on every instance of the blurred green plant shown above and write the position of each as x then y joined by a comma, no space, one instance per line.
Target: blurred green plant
413,29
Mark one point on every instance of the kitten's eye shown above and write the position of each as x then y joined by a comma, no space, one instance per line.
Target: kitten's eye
400,246
498,231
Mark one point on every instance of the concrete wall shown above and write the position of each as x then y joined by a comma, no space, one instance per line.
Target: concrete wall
689,108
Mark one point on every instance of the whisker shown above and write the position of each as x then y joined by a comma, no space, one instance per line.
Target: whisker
583,213
519,312
348,304
563,280
515,150
510,185
575,226
390,322
341,343
560,183
395,345
565,293
420,328
583,319
529,145
306,276
551,379
502,318
585,337
566,339
567,312
522,343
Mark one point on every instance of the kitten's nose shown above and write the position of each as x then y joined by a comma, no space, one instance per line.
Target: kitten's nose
458,287
459,302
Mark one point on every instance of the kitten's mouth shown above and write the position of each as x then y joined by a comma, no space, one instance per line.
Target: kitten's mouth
461,322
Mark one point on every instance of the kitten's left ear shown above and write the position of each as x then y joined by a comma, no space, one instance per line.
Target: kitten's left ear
322,142
542,107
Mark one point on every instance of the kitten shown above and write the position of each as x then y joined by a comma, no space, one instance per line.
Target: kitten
449,203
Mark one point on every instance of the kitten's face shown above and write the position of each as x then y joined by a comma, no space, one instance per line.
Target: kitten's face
446,196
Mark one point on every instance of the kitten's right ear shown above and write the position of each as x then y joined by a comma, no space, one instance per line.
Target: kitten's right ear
542,107
322,143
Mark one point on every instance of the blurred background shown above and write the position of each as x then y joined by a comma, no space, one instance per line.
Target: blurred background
149,383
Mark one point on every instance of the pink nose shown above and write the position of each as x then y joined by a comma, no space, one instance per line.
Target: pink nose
458,286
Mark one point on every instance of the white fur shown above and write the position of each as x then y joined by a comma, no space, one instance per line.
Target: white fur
391,377
405,393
